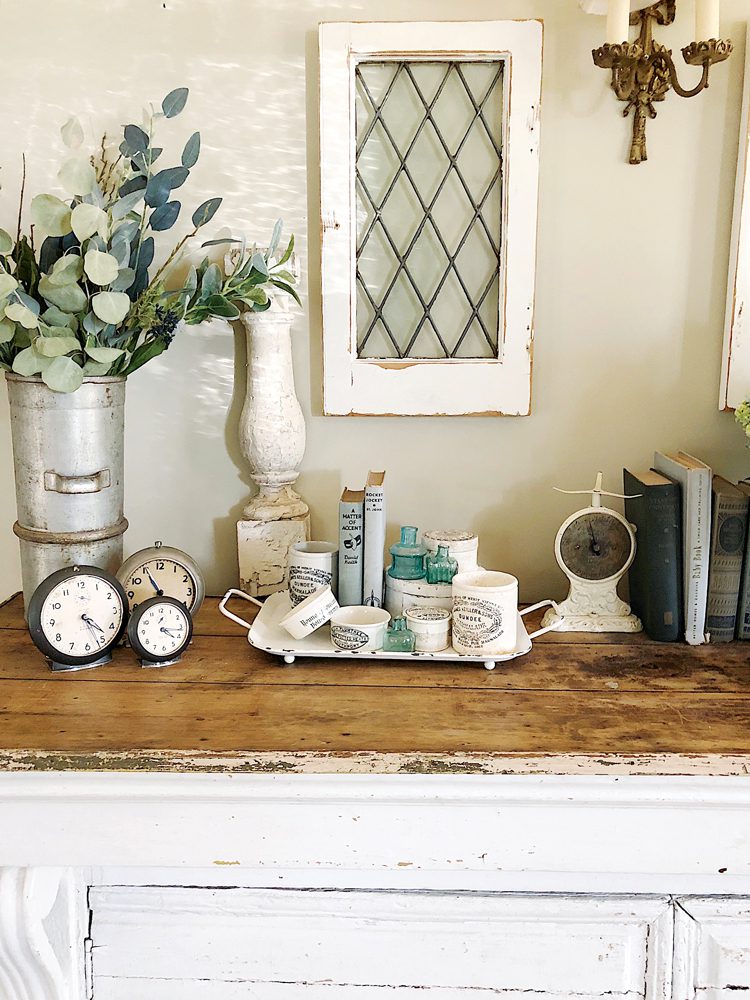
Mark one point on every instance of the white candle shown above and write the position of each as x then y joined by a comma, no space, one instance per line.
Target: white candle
618,21
706,20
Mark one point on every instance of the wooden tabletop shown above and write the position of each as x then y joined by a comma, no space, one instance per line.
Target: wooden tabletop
575,703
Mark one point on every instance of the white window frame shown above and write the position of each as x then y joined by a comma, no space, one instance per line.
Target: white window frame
373,386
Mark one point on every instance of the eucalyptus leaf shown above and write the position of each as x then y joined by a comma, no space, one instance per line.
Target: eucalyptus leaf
87,220
101,268
218,243
28,362
66,270
104,355
143,354
63,375
124,205
120,250
192,150
6,242
7,331
52,249
174,102
135,141
146,255
205,212
123,281
51,215
55,347
7,284
126,230
72,133
164,217
69,298
31,304
159,186
20,313
134,184
93,325
112,307
77,176
56,317
94,368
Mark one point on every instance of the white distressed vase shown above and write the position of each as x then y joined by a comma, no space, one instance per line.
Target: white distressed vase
272,439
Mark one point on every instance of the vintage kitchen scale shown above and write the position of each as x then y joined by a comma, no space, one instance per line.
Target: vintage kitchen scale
594,547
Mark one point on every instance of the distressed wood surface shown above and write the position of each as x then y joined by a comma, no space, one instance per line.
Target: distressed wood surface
585,697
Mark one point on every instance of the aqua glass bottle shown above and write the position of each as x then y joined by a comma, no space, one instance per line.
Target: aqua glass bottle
399,638
441,566
408,556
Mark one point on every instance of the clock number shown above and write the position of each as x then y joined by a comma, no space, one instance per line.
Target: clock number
57,606
58,637
160,565
52,621
131,594
186,579
112,625
87,647
136,581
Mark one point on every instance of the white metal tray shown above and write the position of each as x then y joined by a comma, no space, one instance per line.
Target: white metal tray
266,634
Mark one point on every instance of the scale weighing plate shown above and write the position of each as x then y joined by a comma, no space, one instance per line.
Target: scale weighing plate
266,634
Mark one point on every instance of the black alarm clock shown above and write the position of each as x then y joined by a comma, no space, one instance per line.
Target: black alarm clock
160,630
77,616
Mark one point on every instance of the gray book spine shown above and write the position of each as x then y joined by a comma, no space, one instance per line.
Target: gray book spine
351,547
727,549
374,539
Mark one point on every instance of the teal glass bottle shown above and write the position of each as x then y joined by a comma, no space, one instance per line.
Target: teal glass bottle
399,638
441,566
408,556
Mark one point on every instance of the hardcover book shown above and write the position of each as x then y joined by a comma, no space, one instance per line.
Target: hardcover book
743,603
728,530
694,478
655,576
351,546
374,539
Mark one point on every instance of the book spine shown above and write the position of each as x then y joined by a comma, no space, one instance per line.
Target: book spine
743,605
727,547
351,539
697,551
374,545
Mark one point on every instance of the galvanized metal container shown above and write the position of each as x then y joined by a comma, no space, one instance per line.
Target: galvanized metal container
69,468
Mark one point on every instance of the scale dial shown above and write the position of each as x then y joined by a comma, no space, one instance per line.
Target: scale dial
77,615
161,571
160,630
596,545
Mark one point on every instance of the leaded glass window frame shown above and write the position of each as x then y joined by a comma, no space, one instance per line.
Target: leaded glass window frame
497,384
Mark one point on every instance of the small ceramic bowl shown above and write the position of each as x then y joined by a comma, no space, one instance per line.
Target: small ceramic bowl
310,614
359,629
431,626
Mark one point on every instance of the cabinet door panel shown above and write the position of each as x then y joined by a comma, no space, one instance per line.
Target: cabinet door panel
306,945
712,948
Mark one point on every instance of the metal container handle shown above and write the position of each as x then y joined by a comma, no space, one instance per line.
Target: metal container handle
549,628
55,482
236,618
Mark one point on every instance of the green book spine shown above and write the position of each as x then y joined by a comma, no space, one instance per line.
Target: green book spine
655,576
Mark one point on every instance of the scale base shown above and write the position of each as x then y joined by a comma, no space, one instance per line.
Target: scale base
592,622
56,667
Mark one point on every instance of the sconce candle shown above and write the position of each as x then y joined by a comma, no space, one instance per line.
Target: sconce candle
618,21
706,20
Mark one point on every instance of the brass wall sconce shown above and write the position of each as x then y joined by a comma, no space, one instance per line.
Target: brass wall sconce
643,72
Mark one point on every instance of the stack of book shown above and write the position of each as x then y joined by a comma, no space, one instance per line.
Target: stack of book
691,572
362,544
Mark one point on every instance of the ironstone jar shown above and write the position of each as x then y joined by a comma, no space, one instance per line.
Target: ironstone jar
69,470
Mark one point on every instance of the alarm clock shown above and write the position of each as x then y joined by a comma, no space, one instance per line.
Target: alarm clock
594,547
160,630
77,616
161,571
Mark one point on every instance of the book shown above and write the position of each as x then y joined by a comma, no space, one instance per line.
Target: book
743,603
694,479
372,589
655,576
351,546
728,530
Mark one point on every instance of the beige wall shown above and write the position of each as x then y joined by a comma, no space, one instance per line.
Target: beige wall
630,288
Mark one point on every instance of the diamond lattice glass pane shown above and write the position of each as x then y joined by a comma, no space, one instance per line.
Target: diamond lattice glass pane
428,190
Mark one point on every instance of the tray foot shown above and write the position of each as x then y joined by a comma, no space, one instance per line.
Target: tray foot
290,658
489,664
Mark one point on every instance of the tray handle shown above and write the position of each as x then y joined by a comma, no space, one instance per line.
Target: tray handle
549,628
236,618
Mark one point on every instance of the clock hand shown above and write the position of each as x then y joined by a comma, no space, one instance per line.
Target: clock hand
92,624
595,547
155,585
169,631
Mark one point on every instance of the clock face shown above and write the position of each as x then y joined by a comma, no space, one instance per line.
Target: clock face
160,629
595,546
81,617
158,576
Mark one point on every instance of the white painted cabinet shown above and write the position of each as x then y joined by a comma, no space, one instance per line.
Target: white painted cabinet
219,944
712,948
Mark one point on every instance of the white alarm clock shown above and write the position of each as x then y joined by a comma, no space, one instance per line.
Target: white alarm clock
162,571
